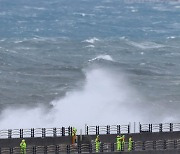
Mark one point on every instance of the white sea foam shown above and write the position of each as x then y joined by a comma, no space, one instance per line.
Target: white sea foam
91,40
171,37
18,41
90,46
134,10
105,57
162,8
104,99
177,7
34,8
83,14
2,40
102,7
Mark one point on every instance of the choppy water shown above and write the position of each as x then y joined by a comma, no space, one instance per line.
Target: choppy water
65,62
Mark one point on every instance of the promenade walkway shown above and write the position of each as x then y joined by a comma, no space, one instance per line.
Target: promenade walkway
149,139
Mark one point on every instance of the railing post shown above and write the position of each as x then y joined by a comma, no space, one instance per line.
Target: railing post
90,148
128,128
9,133
118,129
151,128
140,128
0,150
160,127
32,132
63,131
97,130
143,145
164,145
21,133
68,148
102,147
11,150
45,149
43,132
171,127
70,131
133,145
79,148
112,147
108,129
34,149
54,132
175,144
57,149
87,130
154,145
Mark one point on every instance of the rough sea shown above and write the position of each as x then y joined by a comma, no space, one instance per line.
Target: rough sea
95,62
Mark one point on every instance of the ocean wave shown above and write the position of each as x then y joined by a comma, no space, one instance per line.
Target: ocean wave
2,40
34,8
145,72
83,14
177,7
104,57
134,10
90,46
18,41
146,45
92,40
103,90
171,37
102,7
3,13
175,25
161,8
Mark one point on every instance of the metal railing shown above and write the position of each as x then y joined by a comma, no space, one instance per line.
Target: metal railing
113,129
125,129
35,132
90,148
90,130
166,127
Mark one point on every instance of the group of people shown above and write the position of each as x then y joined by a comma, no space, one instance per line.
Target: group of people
23,143
120,143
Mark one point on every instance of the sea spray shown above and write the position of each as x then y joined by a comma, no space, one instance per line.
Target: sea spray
106,98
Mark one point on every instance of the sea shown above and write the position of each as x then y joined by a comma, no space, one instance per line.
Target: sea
89,62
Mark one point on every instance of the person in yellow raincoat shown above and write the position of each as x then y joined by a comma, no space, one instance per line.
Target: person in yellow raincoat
98,143
130,144
118,143
74,131
23,147
122,142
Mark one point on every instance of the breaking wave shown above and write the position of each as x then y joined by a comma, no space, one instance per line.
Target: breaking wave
92,40
104,99
104,57
146,45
